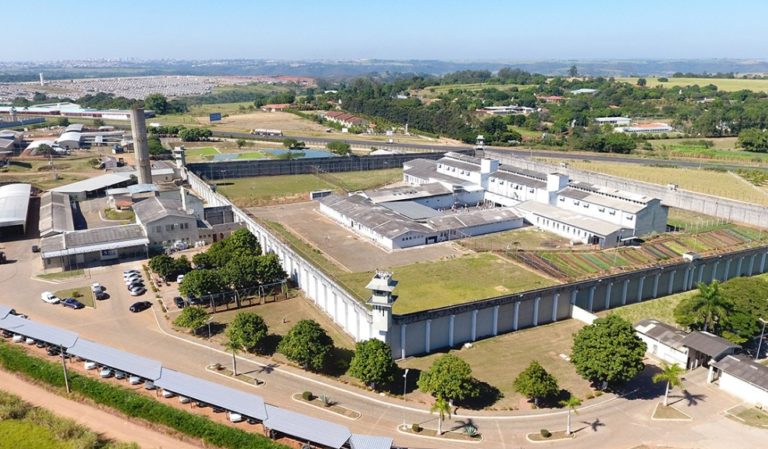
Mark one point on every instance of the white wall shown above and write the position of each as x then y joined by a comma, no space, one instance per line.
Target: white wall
663,352
743,390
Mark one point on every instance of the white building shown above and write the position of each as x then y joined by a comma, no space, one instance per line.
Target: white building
507,110
69,140
646,128
663,342
615,121
742,377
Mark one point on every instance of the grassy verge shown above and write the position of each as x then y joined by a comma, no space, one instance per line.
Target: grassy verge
82,294
131,403
59,275
112,214
28,427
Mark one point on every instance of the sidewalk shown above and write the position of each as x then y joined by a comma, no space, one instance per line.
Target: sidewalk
104,423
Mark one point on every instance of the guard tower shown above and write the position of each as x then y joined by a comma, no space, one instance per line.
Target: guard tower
179,157
480,142
381,287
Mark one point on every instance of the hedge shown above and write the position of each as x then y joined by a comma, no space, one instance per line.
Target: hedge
132,403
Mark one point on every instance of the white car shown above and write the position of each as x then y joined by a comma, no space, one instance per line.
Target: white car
97,288
50,298
179,278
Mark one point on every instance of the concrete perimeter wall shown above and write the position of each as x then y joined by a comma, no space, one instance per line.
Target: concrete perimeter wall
428,331
329,297
728,209
275,167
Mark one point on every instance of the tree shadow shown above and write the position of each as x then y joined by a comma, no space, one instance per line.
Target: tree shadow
268,368
396,386
642,386
216,329
691,399
269,344
594,425
463,424
488,395
337,363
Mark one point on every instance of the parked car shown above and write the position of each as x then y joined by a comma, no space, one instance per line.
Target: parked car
29,341
184,400
217,409
201,404
252,420
35,249
120,375
135,285
140,306
7,333
138,291
17,338
40,344
50,298
96,287
131,271
168,394
234,417
133,280
90,365
134,380
53,351
100,295
73,303
179,278
106,372
179,301
149,385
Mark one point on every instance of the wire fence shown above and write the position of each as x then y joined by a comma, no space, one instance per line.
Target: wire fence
236,299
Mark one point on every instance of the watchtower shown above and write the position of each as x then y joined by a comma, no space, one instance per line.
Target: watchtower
381,287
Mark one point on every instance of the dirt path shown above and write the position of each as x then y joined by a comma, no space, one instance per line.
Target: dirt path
106,424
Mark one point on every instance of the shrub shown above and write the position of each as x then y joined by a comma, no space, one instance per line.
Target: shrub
307,396
416,428
470,430
546,433
325,400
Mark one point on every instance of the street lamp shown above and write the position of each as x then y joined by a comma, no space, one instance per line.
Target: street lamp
760,343
208,322
405,387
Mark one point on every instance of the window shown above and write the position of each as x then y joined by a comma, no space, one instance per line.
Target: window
158,228
168,228
576,202
612,212
562,200
601,209
586,206
630,218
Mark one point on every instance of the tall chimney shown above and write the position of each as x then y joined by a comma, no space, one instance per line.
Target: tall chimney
140,147
183,199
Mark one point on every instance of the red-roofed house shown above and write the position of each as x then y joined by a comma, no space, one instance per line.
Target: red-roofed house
275,107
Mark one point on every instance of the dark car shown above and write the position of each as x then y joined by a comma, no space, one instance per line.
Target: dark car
53,350
7,333
179,301
217,409
40,344
101,295
140,306
35,249
73,303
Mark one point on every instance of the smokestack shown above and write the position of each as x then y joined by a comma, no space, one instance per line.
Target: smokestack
140,147
183,199
42,81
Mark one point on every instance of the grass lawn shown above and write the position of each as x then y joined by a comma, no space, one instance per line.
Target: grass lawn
750,416
528,238
659,309
61,275
200,152
112,214
27,435
710,182
263,190
499,360
425,286
281,316
728,85
85,295
252,155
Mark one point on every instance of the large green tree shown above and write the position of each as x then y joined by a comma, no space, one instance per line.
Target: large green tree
753,140
307,344
536,383
199,283
157,103
192,317
372,363
449,377
608,351
242,272
707,310
270,270
248,330
168,267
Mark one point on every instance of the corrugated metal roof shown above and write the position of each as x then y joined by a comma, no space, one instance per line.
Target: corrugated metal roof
661,332
745,369
5,311
472,217
96,239
155,208
55,214
14,204
411,209
114,358
39,331
708,344
568,217
357,441
230,399
306,428
97,183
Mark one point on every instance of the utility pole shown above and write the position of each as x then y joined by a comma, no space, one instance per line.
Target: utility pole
64,365
762,334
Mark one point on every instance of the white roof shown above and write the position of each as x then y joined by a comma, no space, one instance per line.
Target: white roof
305,427
37,143
69,135
114,358
14,204
39,331
92,184
357,441
583,222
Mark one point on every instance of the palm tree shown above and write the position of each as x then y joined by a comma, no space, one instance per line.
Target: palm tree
234,347
571,403
710,304
443,409
672,375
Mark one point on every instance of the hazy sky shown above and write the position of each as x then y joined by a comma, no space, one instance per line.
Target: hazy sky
391,29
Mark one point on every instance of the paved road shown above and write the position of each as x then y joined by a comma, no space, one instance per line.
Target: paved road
106,424
622,423
511,152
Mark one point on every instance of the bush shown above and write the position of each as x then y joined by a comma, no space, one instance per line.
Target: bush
307,396
546,433
416,428
470,430
131,403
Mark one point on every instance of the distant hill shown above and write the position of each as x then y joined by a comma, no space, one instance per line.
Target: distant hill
28,71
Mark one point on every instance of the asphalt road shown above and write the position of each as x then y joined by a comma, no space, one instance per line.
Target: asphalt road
614,423
511,152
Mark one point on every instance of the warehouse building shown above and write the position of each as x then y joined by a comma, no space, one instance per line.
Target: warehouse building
78,249
55,214
14,206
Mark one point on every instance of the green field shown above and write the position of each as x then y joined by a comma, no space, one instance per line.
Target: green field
722,184
436,91
200,152
728,85
658,309
723,149
253,155
264,190
425,286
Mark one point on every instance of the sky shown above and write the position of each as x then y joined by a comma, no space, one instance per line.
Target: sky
469,30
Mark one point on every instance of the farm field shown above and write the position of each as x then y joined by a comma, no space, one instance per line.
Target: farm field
497,361
723,149
424,286
573,265
728,85
715,183
264,190
527,238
